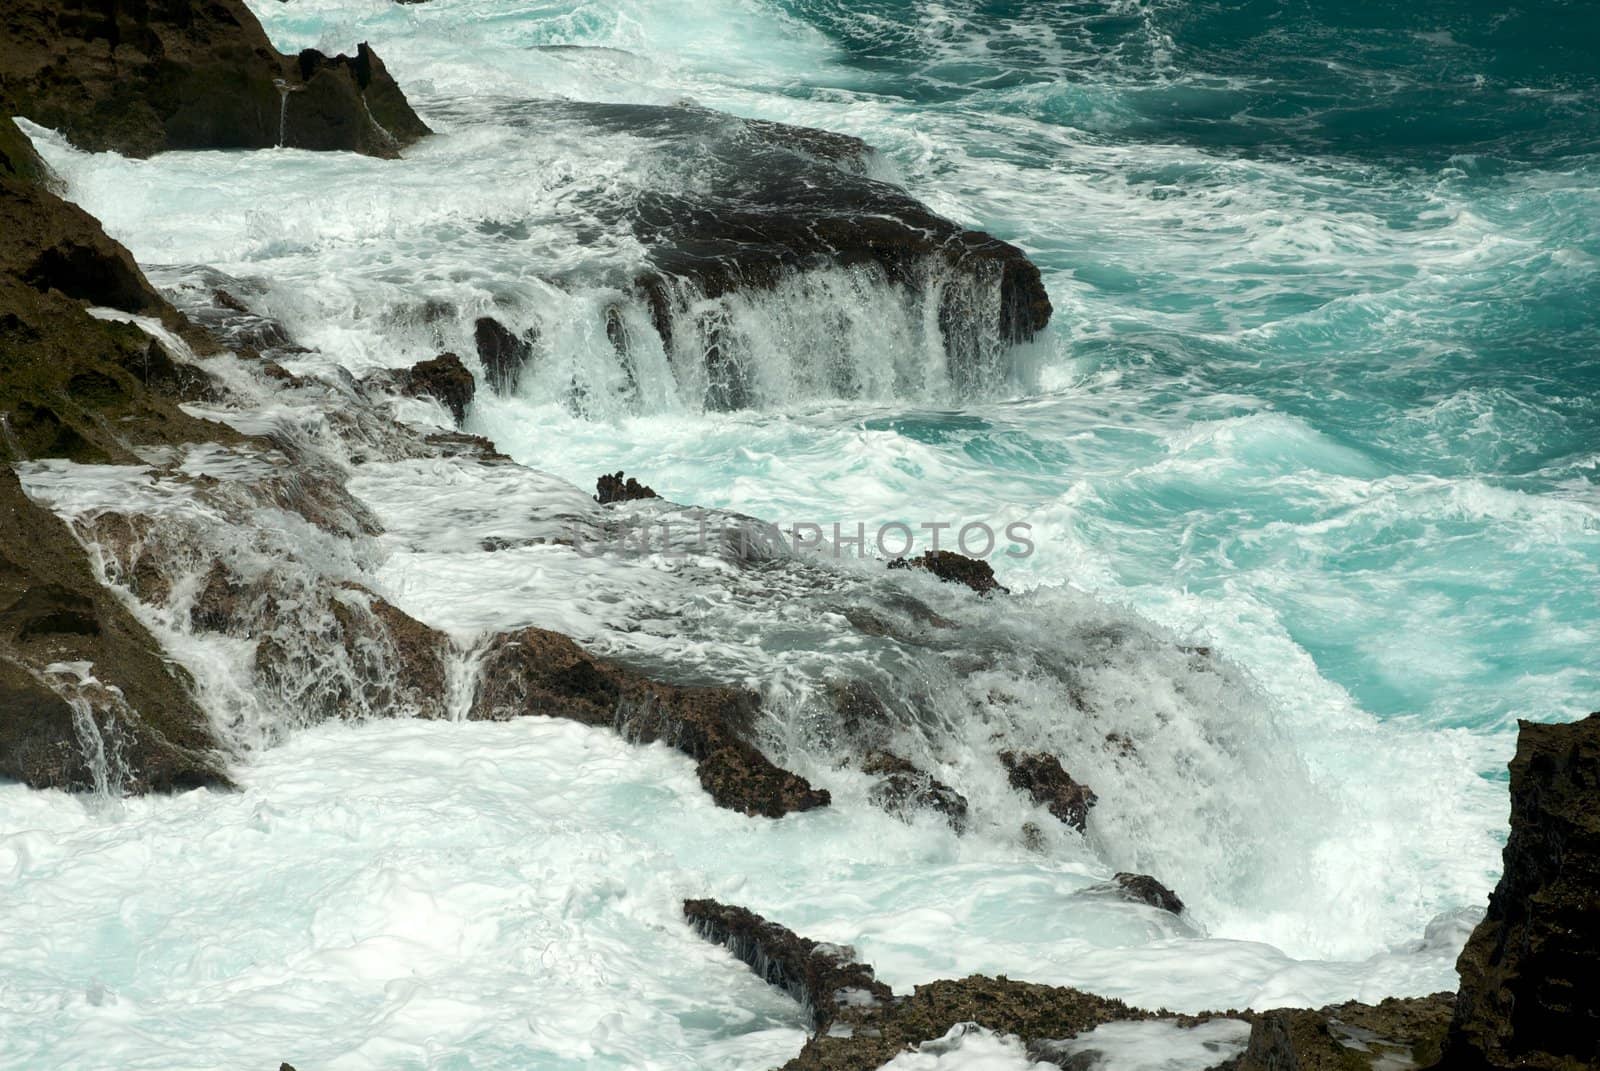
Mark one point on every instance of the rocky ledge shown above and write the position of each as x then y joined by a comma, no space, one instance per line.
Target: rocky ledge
146,77
1527,999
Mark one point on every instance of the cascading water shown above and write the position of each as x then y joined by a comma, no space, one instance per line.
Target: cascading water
1307,455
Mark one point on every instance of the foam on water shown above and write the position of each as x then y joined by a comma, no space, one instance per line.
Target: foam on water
1321,406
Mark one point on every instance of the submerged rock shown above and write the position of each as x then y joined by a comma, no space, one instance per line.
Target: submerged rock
181,74
954,568
1043,779
905,789
1528,993
536,672
1147,890
613,488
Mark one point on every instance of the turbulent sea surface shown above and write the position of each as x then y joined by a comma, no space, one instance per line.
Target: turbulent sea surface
1320,394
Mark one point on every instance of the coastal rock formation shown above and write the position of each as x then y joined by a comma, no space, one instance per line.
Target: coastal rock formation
904,789
860,1024
954,568
769,207
613,488
1050,786
73,385
1147,890
825,979
147,77
1392,1036
501,353
536,672
87,701
1528,996
445,379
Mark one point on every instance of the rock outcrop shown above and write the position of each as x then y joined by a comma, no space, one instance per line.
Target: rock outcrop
501,353
613,488
1144,889
536,672
1528,994
445,379
73,385
1395,1035
954,568
903,789
860,1024
87,701
142,78
1051,787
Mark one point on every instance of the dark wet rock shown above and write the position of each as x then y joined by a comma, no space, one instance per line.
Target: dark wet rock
1528,994
133,703
614,488
72,385
859,1023
459,444
769,203
904,789
843,150
954,568
445,379
1392,1036
502,354
825,979
348,102
142,78
50,610
541,673
1147,890
1043,779
20,159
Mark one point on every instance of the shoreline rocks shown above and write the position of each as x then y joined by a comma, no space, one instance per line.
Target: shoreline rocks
1524,1002
613,488
860,1024
954,568
176,74
542,673
1051,787
87,699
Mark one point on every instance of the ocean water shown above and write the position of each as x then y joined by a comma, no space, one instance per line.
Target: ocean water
1319,395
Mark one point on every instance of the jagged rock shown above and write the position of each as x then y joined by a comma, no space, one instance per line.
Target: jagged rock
1392,1036
502,354
20,159
859,1023
954,568
443,378
770,203
905,789
142,78
536,672
1147,890
1050,786
130,701
1528,994
72,385
613,488
825,979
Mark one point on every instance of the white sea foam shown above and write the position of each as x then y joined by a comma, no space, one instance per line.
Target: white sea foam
1321,792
